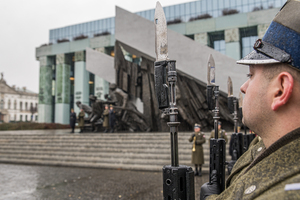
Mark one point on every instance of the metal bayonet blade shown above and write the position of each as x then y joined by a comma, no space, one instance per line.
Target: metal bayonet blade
229,87
161,34
240,100
210,71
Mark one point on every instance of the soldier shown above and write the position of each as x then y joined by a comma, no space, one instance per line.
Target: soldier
198,138
221,134
271,109
105,118
72,120
81,120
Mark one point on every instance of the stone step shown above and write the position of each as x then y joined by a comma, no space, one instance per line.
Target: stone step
157,168
139,151
164,157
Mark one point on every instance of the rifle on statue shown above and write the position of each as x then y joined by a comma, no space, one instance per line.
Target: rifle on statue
178,180
247,138
216,182
236,141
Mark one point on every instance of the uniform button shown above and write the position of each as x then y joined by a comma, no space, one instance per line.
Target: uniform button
259,149
250,189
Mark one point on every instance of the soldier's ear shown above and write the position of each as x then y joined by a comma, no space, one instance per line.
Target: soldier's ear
282,89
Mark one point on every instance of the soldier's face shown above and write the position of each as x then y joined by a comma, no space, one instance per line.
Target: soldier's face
255,102
196,129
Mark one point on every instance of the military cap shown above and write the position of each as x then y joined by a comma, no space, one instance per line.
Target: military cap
281,42
197,126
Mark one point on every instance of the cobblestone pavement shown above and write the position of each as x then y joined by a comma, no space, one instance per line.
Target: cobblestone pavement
44,182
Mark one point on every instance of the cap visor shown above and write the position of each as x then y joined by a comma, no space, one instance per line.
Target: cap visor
255,58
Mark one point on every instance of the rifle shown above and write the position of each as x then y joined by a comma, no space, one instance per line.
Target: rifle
178,180
217,145
247,138
237,140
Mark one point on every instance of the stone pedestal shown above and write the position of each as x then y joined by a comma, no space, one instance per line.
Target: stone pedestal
62,97
81,89
45,90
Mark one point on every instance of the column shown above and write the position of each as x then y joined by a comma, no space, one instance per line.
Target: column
62,93
232,43
81,80
202,38
45,90
101,87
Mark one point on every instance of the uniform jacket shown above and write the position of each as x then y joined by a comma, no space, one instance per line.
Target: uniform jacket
105,118
112,118
273,174
221,134
255,148
72,119
81,119
197,156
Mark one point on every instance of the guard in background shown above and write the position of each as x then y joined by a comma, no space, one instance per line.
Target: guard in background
198,138
221,134
72,120
105,118
81,120
112,118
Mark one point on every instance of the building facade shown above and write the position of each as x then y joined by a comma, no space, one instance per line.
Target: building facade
17,104
228,26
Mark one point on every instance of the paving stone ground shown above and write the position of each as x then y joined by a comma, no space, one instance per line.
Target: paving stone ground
45,182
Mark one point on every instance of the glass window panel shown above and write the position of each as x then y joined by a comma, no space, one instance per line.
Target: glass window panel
187,9
278,3
222,44
177,10
215,4
245,8
238,2
209,6
104,27
221,4
216,45
226,4
203,6
245,41
198,7
193,7
232,3
182,10
113,21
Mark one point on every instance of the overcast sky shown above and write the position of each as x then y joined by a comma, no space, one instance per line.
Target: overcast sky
25,25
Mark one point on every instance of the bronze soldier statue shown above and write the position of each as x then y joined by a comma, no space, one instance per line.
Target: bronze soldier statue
270,168
198,138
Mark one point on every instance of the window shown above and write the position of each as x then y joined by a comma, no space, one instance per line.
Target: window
15,104
21,118
217,41
21,104
248,38
8,105
26,106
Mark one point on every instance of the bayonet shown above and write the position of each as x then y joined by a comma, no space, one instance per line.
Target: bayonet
210,71
161,34
229,87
